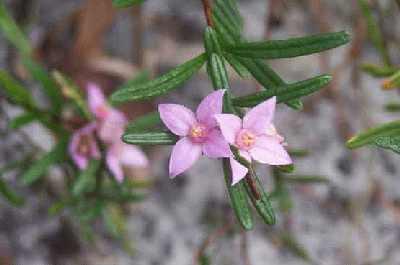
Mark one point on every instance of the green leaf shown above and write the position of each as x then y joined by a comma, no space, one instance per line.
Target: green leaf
149,138
12,32
293,245
228,11
49,86
378,71
139,79
238,198
144,122
10,195
393,81
86,180
211,42
161,85
286,93
374,33
304,179
267,77
15,91
262,204
370,136
389,142
22,120
114,221
286,168
274,49
239,68
70,90
217,72
41,166
126,3
392,107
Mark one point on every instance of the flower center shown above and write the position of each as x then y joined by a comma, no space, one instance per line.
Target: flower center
198,133
245,139
84,145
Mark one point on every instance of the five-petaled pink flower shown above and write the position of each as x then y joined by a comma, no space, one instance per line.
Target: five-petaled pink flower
110,124
83,146
199,132
255,137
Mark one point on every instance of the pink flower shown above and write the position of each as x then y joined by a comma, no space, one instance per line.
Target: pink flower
83,146
110,127
199,132
255,137
120,155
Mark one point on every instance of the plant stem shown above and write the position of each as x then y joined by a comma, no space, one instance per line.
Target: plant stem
207,12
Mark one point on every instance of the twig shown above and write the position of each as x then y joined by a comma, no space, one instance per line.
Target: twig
207,12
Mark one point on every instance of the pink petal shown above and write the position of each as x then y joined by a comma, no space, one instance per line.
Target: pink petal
97,102
80,160
229,125
133,156
114,164
177,118
183,156
209,106
112,127
238,171
259,118
268,150
216,146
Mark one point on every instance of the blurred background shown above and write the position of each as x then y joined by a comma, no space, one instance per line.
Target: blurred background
351,216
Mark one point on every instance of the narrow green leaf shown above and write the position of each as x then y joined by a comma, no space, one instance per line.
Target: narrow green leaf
211,42
393,81
70,90
379,71
222,21
274,49
255,191
49,86
15,91
263,204
149,138
114,221
161,85
369,136
286,93
10,195
300,179
228,11
41,166
389,142
238,198
392,107
267,77
374,33
139,79
239,68
298,152
126,3
293,245
286,168
22,120
217,72
12,32
86,180
144,123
